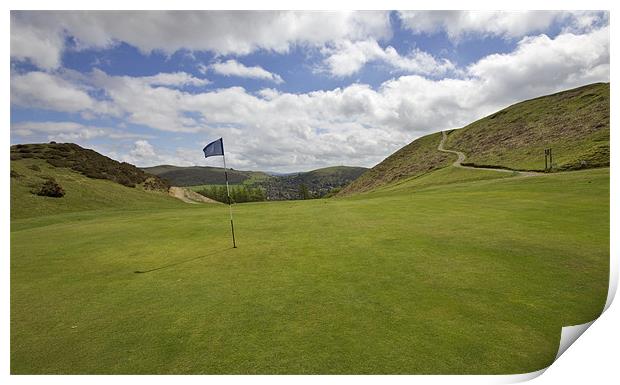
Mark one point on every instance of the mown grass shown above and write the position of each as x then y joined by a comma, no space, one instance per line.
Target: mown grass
443,176
473,277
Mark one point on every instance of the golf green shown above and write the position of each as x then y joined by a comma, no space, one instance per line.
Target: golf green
477,276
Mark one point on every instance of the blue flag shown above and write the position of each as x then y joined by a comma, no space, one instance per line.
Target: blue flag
214,148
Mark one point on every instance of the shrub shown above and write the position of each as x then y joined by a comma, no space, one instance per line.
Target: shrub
15,174
51,188
125,181
34,167
59,162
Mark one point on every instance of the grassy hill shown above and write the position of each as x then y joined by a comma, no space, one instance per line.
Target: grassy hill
415,159
198,175
573,123
90,182
87,162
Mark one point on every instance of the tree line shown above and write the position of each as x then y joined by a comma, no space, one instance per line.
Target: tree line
238,194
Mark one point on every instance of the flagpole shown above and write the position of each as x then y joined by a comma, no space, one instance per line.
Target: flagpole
232,226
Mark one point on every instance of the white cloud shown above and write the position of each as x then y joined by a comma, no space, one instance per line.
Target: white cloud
176,79
357,124
234,68
540,63
68,131
42,48
347,58
39,35
42,90
507,24
143,154
142,149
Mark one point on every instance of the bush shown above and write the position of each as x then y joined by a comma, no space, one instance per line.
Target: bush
51,188
125,181
34,167
152,183
15,174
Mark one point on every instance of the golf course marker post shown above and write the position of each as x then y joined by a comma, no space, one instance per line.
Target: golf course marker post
216,148
548,159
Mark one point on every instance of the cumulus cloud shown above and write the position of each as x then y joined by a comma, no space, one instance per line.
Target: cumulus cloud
357,124
144,154
142,149
347,58
36,44
176,79
39,36
68,131
540,63
507,24
43,90
234,68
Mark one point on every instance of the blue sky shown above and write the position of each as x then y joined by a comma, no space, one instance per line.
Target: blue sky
288,91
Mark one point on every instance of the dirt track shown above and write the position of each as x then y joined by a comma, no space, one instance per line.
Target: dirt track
461,158
188,196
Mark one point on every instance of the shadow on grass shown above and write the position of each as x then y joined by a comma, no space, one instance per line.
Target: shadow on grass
183,261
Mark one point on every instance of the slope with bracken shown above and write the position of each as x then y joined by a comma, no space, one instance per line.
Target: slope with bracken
573,123
83,180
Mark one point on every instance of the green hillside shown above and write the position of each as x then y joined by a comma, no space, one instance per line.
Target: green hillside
198,175
87,162
31,169
573,123
416,159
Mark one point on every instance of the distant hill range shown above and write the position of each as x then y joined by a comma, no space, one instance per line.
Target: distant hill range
318,183
197,175
314,184
573,123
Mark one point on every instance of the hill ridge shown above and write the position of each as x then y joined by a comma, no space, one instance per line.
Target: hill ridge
574,122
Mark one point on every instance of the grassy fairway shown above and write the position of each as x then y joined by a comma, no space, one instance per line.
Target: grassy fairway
473,277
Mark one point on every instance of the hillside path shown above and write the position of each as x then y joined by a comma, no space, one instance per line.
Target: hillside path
461,158
188,196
